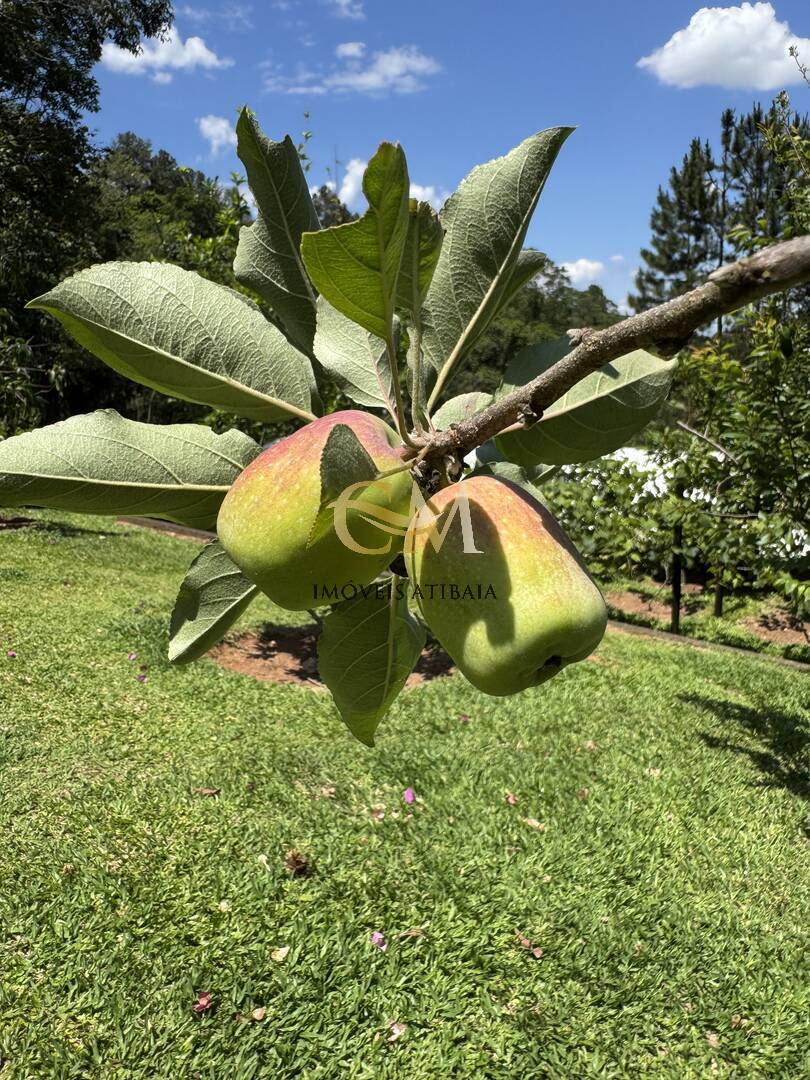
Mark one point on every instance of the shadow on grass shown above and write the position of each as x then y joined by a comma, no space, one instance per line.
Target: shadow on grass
60,528
783,756
289,654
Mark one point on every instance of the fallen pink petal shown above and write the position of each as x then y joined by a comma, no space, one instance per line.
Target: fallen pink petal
132,656
378,940
409,795
11,654
204,1002
143,678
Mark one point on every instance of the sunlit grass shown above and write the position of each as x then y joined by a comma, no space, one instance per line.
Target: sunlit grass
667,885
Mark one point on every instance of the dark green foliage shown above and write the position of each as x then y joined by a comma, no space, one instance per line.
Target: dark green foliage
50,214
48,48
745,515
684,241
745,521
152,208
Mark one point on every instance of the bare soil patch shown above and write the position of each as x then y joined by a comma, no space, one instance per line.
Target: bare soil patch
780,627
633,604
288,654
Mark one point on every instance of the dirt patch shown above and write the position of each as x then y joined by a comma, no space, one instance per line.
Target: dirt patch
288,654
633,604
777,627
780,627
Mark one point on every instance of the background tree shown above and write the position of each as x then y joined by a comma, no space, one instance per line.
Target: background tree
715,208
684,222
329,208
49,214
734,436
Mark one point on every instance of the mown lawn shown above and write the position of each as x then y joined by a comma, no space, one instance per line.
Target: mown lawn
667,886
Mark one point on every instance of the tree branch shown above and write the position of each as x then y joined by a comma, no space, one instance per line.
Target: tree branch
664,329
705,438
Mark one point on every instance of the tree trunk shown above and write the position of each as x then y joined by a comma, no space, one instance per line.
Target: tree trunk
719,592
677,571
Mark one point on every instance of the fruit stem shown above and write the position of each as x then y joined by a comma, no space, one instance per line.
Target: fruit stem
400,417
411,463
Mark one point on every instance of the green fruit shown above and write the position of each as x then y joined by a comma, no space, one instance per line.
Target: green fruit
266,519
516,614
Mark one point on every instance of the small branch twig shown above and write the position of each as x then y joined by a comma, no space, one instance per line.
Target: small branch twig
705,438
664,329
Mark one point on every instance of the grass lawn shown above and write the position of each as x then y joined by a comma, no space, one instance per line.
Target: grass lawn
667,884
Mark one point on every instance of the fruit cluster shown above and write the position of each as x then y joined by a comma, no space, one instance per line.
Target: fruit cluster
543,612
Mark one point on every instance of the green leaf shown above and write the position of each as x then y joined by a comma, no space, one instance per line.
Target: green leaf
213,595
596,416
175,331
356,265
356,360
268,256
489,459
422,247
101,463
485,224
529,264
368,647
527,478
460,408
344,461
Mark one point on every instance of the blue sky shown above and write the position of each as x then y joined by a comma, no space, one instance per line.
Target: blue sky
458,83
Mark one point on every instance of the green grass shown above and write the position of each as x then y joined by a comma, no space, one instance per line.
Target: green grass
668,890
698,620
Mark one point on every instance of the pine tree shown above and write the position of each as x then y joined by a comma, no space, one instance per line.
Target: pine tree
723,183
713,210
684,225
761,179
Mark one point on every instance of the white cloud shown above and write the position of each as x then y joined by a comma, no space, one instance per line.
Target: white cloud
233,17
347,9
740,48
401,70
428,193
617,258
350,50
159,58
218,131
351,190
584,271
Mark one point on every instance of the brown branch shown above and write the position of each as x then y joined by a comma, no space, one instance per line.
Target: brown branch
664,329
705,438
